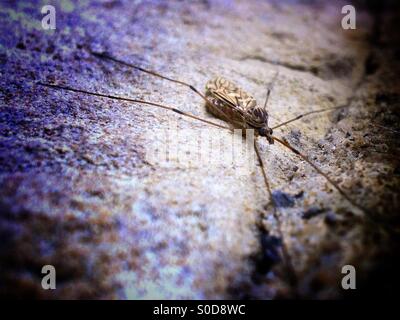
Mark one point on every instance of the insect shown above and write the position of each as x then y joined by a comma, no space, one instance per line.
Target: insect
238,109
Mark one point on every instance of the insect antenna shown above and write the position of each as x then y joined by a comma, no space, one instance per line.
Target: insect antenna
290,271
102,95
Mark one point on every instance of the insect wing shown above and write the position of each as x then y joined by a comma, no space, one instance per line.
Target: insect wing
231,94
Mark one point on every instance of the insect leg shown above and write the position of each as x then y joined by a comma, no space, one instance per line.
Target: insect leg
369,215
156,74
333,183
291,273
102,95
307,114
269,89
346,105
386,128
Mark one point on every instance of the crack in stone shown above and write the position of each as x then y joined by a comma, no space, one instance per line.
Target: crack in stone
291,66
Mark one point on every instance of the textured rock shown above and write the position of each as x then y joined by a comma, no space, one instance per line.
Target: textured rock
80,190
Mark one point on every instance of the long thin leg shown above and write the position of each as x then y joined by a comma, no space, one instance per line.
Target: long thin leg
346,105
370,216
58,87
153,73
269,89
333,183
383,127
307,114
291,273
156,74
322,110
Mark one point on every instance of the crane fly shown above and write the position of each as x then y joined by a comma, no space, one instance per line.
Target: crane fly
229,102
235,106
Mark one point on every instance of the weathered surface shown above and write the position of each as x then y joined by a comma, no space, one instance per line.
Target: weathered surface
80,191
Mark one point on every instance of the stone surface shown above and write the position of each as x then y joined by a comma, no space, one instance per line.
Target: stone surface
80,190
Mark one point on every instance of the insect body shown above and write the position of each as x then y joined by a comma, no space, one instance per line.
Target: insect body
235,106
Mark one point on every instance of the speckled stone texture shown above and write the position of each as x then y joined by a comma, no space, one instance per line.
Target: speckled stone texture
79,190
